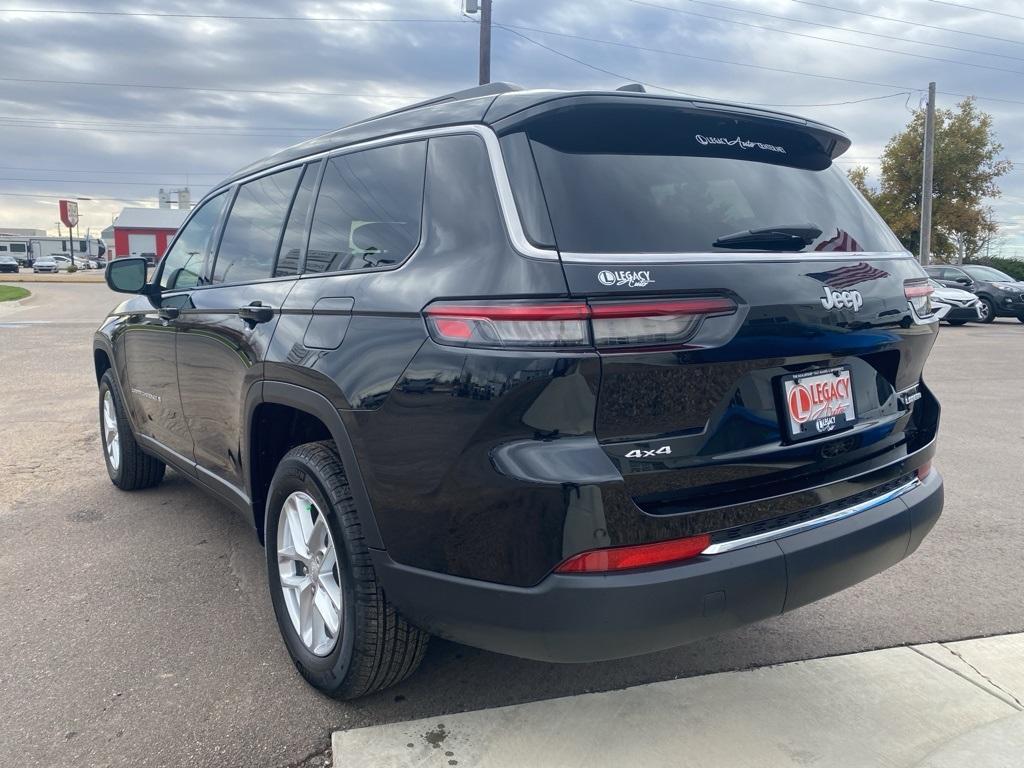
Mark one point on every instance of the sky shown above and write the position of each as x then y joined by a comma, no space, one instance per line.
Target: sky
112,100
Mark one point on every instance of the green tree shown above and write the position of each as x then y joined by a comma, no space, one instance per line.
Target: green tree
967,167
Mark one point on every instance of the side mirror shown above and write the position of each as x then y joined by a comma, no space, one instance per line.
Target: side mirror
964,280
127,275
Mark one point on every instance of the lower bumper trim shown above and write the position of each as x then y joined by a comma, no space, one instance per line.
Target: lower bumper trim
806,525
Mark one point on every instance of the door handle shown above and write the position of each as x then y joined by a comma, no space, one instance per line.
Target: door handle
168,313
256,312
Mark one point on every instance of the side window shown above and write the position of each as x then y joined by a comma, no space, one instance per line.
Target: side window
183,264
290,252
248,247
369,209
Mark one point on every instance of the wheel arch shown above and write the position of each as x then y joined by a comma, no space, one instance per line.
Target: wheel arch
311,416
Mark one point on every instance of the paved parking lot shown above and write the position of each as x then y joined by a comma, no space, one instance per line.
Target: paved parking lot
136,629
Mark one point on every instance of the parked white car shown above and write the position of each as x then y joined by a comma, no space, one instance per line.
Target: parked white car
953,305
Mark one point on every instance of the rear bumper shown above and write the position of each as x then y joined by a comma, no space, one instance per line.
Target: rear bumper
583,618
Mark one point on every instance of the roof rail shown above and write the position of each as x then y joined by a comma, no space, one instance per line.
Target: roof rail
491,89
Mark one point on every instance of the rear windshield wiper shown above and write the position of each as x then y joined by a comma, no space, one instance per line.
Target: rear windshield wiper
786,237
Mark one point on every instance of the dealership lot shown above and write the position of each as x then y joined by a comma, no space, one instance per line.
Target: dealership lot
138,631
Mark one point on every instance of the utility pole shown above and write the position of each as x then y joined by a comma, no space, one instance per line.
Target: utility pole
484,7
926,180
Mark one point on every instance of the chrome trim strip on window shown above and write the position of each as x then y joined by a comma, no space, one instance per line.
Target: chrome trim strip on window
807,525
633,259
506,201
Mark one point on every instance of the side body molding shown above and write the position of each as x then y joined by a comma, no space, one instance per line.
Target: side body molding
317,405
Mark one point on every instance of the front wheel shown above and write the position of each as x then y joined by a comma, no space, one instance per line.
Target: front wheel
1021,318
129,468
342,633
957,322
987,310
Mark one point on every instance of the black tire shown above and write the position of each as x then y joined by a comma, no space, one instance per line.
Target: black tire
990,310
957,322
375,647
1021,318
136,469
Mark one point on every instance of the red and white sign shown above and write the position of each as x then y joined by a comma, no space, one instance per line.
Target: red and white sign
69,213
819,403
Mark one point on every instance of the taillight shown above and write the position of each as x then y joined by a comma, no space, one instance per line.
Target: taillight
572,324
919,293
509,324
636,556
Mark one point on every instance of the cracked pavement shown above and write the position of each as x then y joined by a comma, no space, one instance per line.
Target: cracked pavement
136,629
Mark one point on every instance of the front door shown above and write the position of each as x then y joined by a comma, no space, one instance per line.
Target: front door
228,325
149,338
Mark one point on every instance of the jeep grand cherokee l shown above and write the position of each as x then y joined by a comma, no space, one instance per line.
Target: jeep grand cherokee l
570,376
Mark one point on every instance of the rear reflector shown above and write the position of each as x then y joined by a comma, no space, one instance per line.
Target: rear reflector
639,556
924,470
572,324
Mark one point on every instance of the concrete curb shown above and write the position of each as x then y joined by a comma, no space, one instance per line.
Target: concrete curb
899,707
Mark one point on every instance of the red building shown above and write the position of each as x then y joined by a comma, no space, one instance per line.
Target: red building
146,231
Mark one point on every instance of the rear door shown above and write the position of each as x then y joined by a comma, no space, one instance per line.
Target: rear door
228,323
762,326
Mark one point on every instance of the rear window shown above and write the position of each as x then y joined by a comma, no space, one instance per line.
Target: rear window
646,180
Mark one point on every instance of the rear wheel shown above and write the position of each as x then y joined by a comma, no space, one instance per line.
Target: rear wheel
986,310
343,635
129,468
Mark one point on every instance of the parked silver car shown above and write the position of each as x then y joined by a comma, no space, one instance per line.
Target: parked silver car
45,264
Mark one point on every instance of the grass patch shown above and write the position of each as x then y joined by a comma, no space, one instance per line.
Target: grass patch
12,293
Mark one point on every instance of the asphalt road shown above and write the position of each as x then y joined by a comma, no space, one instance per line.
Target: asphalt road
136,629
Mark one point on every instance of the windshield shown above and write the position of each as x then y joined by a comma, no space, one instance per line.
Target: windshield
988,274
679,184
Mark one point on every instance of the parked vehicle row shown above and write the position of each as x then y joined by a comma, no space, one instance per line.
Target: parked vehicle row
998,294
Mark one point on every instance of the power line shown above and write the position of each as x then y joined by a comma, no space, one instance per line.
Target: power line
791,20
904,21
80,197
905,88
225,16
136,124
902,89
826,39
155,131
99,181
131,173
829,39
978,10
40,81
629,78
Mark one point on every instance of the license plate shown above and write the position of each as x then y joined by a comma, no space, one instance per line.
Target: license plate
818,403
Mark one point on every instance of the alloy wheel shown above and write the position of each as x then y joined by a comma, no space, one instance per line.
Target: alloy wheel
310,576
111,439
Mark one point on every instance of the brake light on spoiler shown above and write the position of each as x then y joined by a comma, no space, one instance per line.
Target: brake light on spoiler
632,324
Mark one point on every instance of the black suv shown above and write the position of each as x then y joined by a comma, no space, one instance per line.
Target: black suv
999,295
569,376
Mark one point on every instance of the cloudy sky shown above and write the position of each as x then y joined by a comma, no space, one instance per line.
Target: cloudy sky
111,100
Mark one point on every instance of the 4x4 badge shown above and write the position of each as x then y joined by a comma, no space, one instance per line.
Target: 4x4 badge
633,279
